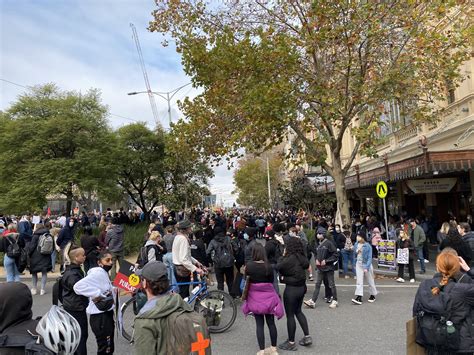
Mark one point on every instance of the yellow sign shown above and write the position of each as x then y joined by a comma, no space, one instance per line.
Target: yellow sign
133,280
381,189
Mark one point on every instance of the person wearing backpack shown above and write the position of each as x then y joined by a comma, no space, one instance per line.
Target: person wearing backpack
347,251
220,249
39,251
11,245
443,309
166,324
153,250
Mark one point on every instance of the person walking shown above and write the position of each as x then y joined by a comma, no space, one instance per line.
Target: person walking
64,242
404,242
73,303
292,268
98,288
39,262
364,269
184,263
347,251
417,234
114,242
326,259
262,301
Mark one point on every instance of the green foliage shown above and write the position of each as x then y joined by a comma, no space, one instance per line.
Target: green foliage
310,234
251,180
50,142
133,237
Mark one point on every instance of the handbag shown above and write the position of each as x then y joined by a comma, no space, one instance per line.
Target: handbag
182,271
103,304
245,288
402,256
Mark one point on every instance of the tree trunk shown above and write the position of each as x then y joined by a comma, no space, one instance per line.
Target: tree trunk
342,213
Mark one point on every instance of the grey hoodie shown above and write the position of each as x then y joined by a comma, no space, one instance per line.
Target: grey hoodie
114,238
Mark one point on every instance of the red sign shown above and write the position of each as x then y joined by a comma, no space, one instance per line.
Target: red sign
201,344
126,278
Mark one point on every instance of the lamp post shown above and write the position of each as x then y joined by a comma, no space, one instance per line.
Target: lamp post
164,95
268,181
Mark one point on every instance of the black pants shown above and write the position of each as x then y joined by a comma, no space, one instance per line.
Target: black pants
327,289
236,284
103,326
81,317
260,321
411,269
228,272
183,289
293,300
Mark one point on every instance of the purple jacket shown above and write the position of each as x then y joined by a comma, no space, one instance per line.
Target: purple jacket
262,299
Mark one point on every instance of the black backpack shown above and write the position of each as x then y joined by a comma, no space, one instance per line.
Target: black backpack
13,249
142,257
434,326
223,256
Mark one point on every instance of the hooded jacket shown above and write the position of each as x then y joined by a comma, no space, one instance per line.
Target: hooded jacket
151,328
71,300
326,250
114,238
292,269
38,261
95,284
66,235
215,245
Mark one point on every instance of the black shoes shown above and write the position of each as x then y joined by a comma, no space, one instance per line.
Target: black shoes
358,300
288,346
371,299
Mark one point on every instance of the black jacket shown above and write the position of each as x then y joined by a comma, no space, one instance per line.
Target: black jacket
248,250
462,296
198,251
214,246
273,249
38,261
292,269
459,244
72,301
326,250
469,239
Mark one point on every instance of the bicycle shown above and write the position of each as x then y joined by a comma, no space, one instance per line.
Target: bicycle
217,307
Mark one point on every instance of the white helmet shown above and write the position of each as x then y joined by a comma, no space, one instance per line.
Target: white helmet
60,331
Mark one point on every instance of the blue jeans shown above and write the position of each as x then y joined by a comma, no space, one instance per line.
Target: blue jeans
168,261
10,267
346,256
419,254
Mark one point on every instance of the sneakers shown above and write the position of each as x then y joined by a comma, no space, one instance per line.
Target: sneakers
288,346
357,300
42,292
347,277
309,303
328,300
333,304
310,277
400,280
306,341
412,280
427,261
34,291
371,299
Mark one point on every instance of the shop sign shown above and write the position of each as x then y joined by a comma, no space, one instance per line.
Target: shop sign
426,186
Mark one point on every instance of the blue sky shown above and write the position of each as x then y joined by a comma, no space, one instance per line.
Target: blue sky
82,44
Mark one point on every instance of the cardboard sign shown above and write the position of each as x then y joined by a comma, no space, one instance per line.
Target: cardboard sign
126,278
387,251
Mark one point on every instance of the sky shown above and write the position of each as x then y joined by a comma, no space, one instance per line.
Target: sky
83,44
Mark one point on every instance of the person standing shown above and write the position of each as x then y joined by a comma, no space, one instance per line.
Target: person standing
467,235
347,251
363,251
262,301
64,241
39,262
220,249
249,237
114,242
168,238
406,243
292,268
98,288
73,303
274,250
326,259
184,263
10,261
418,236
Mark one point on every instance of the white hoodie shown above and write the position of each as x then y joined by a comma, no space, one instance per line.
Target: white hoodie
95,284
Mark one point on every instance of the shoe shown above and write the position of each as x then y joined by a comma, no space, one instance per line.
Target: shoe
271,350
42,292
333,304
310,278
309,303
306,341
400,280
427,261
422,272
412,280
371,299
346,277
328,300
288,346
357,300
34,291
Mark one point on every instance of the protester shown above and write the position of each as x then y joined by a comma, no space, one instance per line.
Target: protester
73,303
168,238
417,234
347,251
458,243
10,245
98,288
153,250
405,242
91,246
467,235
262,300
364,269
39,262
114,242
274,250
443,232
292,268
249,237
64,241
220,250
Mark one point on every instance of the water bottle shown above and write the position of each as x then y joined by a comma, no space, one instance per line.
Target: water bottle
195,290
450,327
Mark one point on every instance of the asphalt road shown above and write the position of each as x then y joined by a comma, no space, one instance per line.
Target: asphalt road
377,328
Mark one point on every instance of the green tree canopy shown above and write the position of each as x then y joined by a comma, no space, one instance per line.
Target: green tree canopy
319,69
52,142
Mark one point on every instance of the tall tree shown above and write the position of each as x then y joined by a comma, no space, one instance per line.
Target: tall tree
52,142
251,180
322,69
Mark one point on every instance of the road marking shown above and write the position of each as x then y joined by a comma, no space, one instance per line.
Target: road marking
376,285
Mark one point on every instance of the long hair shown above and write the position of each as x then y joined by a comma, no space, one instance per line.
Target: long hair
294,246
258,252
444,228
448,265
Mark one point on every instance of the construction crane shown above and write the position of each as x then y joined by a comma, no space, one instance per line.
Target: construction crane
154,109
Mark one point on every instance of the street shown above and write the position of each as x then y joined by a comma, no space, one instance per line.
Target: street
367,329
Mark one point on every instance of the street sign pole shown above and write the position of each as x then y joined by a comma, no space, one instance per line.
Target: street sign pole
385,216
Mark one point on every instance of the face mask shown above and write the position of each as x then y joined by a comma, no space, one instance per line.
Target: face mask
338,230
320,236
107,267
71,224
246,236
357,224
292,234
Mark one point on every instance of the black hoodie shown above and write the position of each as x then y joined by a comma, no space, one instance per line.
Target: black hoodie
292,269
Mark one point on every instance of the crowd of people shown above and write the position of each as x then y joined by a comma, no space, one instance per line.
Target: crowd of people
250,253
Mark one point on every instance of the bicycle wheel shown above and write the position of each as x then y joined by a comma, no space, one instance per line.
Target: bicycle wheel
219,310
128,311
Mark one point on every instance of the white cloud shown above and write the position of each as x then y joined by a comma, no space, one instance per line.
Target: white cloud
82,44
